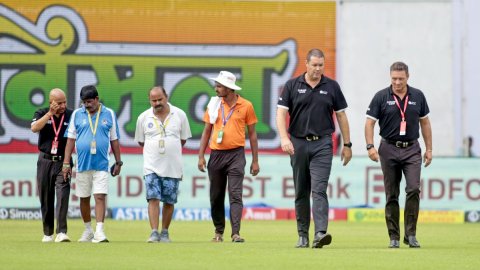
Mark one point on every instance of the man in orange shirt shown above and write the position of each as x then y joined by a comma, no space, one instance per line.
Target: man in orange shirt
226,118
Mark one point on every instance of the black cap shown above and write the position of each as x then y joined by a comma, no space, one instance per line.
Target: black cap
88,92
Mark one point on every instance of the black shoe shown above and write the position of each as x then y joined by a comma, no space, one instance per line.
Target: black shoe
394,244
411,241
321,240
302,242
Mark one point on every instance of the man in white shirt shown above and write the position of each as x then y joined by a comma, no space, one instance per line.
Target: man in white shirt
162,130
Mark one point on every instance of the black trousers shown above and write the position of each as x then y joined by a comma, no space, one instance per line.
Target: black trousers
226,166
50,182
311,164
394,162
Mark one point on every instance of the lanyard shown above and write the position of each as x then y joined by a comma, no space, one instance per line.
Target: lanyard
224,120
94,129
59,126
404,106
164,126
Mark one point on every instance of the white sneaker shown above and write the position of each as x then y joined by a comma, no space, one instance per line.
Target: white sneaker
47,238
99,237
62,237
87,236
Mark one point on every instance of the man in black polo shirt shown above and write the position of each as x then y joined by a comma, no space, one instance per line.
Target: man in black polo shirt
51,123
310,100
400,109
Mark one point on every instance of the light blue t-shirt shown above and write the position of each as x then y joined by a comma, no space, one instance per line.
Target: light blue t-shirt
79,129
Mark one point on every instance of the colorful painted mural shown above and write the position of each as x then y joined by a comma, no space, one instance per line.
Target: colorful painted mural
126,47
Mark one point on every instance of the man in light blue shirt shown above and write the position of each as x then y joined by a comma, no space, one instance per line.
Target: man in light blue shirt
92,129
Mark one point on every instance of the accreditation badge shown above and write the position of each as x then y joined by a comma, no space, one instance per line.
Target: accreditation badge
220,136
403,128
161,146
54,148
93,147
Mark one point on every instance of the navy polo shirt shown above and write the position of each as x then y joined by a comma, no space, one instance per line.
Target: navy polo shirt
384,109
311,109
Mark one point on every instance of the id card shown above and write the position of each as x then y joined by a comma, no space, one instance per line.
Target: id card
54,149
220,136
403,128
93,147
161,146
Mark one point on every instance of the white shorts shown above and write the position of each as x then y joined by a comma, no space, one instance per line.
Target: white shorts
88,181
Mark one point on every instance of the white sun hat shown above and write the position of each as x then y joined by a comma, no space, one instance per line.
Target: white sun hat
227,79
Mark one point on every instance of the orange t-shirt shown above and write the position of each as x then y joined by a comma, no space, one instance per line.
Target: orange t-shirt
234,131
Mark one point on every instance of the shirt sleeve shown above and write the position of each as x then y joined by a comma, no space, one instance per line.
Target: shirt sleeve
139,130
114,131
284,98
373,110
37,115
251,116
185,131
71,131
339,101
424,110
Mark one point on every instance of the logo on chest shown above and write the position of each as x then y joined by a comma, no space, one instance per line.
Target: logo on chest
391,102
302,91
321,92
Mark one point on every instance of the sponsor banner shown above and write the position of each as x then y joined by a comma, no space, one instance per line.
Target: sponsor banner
84,50
74,212
179,214
20,213
472,216
35,213
195,214
360,184
425,216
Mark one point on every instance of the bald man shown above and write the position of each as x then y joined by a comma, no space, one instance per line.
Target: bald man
50,124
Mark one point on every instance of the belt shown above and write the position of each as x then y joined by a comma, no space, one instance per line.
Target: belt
400,144
312,138
51,157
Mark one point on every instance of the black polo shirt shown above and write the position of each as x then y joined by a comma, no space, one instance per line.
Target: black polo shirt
311,110
384,109
46,134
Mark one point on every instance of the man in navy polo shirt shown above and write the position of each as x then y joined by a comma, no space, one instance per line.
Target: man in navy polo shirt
93,129
400,109
311,99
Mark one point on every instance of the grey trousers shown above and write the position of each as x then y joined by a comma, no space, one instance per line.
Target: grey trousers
226,166
50,183
311,163
394,162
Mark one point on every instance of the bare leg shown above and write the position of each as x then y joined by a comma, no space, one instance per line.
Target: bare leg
100,206
85,209
167,214
153,213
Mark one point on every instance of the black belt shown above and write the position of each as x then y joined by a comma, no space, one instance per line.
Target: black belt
51,157
400,144
312,138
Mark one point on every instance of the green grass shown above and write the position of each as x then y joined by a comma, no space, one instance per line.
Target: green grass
269,245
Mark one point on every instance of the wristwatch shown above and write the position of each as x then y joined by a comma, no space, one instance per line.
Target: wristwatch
119,163
370,146
349,145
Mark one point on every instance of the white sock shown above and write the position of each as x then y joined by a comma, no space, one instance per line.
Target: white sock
88,226
99,226
154,230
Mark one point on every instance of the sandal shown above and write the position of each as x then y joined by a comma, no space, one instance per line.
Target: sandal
237,239
217,238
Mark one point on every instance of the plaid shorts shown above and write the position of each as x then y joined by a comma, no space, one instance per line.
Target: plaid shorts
164,189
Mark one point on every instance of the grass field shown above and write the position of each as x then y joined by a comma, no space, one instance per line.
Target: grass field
269,245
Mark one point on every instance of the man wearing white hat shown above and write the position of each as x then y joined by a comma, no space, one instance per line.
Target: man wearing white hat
226,118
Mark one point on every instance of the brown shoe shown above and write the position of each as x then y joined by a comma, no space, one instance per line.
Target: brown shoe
217,238
237,239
